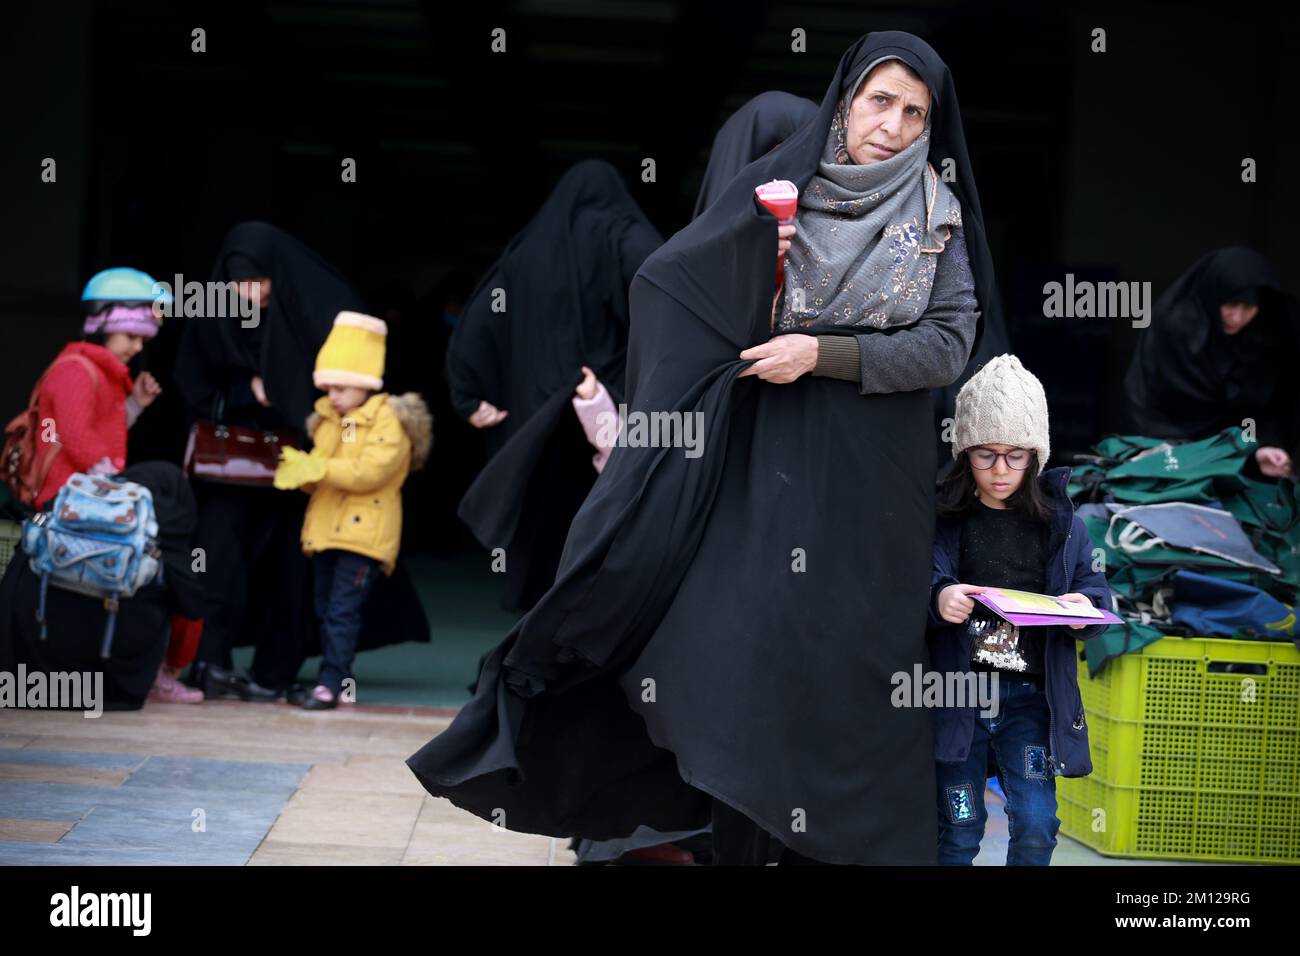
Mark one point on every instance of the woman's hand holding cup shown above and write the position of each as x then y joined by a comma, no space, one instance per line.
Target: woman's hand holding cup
783,234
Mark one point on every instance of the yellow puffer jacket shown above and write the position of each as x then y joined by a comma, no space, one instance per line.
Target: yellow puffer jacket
357,506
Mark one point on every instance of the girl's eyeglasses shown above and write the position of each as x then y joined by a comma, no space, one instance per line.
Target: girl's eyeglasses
985,458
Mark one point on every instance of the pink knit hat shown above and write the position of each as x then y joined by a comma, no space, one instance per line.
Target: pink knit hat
131,319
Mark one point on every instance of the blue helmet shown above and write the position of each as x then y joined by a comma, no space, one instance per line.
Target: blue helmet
123,285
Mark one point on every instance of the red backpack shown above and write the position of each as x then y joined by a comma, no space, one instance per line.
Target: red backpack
26,459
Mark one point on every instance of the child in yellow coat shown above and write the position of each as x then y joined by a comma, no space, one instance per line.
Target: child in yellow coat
365,442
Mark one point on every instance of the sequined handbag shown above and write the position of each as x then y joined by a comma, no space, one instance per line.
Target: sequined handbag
995,642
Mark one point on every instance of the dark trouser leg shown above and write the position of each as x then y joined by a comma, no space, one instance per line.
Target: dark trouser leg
323,564
351,580
962,813
1020,745
287,622
227,527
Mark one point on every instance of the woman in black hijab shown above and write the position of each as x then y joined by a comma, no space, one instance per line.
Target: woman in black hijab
754,129
143,621
555,301
1224,341
258,375
730,628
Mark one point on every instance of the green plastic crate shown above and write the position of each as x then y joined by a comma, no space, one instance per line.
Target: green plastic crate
1191,761
11,532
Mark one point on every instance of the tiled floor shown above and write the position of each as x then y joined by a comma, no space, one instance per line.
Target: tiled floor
263,784
232,784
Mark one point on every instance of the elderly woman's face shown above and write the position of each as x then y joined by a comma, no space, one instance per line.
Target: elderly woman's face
886,115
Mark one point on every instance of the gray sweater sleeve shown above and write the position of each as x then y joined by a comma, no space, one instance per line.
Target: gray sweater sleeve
930,353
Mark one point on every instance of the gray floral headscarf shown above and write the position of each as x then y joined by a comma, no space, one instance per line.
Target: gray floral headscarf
867,237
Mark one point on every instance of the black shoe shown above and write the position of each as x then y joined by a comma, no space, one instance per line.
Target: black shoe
298,694
251,690
219,683
311,702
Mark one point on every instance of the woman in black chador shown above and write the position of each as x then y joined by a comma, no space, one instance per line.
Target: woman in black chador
728,623
257,581
554,302
1223,347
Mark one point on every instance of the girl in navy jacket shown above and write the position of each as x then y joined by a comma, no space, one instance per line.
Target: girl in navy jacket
1003,524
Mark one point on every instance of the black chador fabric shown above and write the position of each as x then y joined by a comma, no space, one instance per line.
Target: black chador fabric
178,520
1189,379
218,356
994,340
728,624
754,129
751,131
76,622
556,300
994,336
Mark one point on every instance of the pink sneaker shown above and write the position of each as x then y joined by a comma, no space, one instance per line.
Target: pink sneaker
167,689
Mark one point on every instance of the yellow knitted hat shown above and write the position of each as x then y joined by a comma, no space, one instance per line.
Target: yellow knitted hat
353,353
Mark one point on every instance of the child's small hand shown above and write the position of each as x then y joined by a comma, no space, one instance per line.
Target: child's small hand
146,389
298,468
586,389
1075,598
954,604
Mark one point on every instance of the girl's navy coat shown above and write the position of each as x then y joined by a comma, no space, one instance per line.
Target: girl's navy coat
1068,569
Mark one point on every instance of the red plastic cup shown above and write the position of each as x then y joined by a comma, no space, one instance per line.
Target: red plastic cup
780,197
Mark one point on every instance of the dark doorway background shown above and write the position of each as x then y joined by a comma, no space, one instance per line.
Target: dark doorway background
1124,164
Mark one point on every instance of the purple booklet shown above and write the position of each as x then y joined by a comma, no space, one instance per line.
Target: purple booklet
1027,609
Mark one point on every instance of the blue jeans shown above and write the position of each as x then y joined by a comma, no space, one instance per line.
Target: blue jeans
1018,737
343,582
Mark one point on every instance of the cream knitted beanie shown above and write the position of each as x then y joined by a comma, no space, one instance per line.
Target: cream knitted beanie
1003,403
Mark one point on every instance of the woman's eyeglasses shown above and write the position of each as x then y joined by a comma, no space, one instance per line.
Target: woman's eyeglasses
985,458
